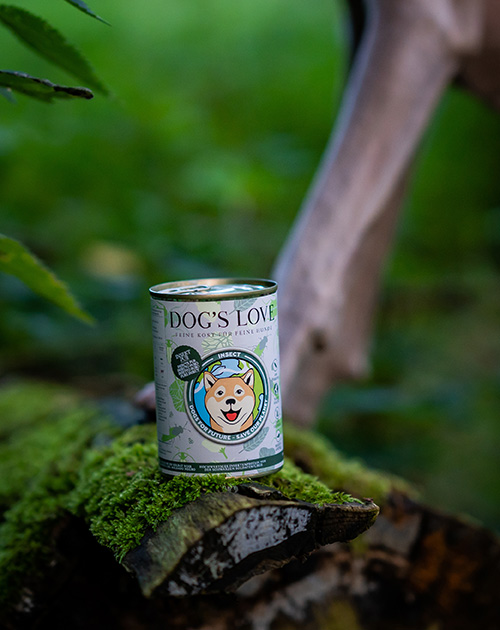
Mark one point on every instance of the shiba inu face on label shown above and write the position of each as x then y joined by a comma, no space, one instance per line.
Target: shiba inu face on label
230,401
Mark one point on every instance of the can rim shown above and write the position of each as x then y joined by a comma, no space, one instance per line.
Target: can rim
262,287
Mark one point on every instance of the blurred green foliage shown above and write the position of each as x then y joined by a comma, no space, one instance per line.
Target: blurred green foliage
431,407
197,166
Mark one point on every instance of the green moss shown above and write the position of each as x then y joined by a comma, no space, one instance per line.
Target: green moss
52,465
314,453
25,535
294,483
39,465
121,492
42,428
26,404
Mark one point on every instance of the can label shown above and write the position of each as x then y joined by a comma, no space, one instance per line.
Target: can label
217,384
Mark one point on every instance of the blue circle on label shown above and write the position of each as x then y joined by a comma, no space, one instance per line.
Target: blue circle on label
228,401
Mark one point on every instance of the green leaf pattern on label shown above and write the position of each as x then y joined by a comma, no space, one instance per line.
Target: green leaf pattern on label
211,309
256,441
266,452
217,341
177,394
214,448
244,304
211,446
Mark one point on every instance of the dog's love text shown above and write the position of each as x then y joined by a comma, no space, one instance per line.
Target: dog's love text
222,319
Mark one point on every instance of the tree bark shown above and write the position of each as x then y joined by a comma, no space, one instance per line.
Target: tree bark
480,71
415,568
221,540
329,269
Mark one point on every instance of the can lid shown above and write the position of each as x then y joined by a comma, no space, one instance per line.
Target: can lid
208,289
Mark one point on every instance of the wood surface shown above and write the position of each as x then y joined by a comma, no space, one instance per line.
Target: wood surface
330,267
415,569
221,540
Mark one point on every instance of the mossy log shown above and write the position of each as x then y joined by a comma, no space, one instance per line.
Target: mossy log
183,536
219,541
102,500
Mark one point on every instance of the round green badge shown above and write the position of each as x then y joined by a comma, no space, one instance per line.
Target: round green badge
186,362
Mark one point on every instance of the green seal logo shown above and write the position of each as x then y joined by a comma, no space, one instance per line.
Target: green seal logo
186,362
228,399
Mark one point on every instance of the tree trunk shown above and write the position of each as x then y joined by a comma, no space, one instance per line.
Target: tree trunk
329,269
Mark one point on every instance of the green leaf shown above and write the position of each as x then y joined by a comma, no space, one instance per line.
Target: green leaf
266,452
16,260
216,342
41,89
7,93
213,447
49,43
256,441
86,9
177,394
244,304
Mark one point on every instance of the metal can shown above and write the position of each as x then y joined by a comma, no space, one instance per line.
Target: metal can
216,360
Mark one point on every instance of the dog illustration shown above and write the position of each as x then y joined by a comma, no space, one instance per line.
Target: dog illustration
230,401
